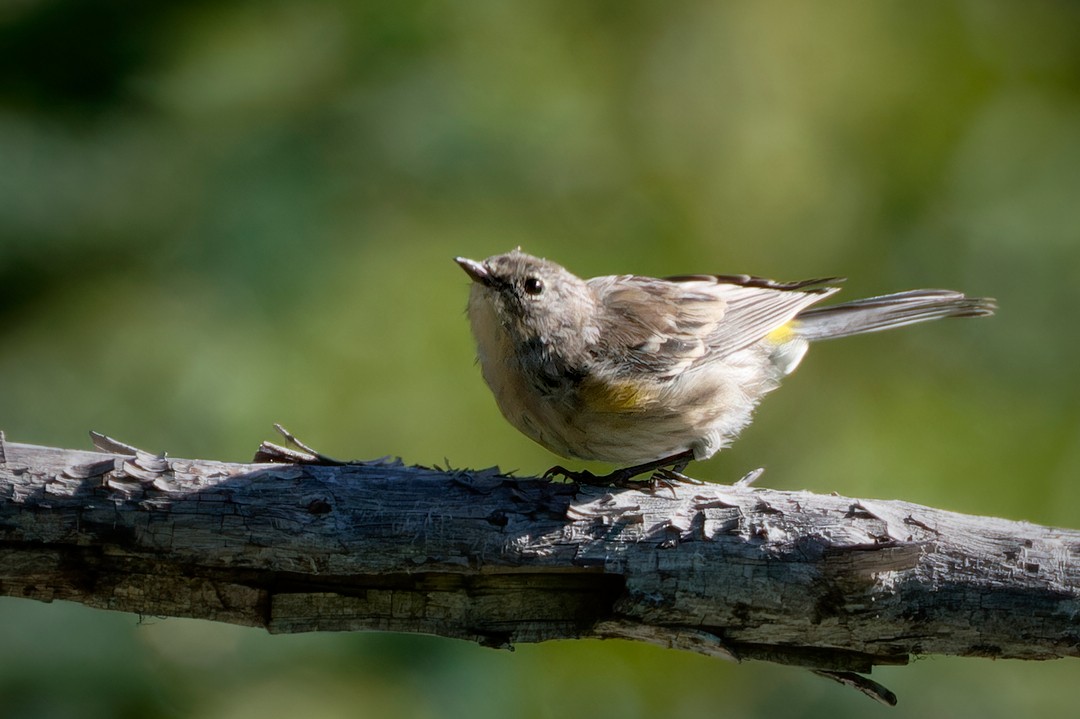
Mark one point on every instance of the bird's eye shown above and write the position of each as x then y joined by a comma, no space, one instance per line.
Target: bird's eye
533,285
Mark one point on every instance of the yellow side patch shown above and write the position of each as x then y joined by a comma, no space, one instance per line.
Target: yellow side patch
623,396
783,333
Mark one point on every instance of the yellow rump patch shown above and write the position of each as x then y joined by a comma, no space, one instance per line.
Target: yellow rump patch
783,333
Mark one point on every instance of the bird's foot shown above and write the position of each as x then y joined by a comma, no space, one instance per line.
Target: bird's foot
664,472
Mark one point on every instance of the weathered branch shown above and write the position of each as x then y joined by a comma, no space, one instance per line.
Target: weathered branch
825,582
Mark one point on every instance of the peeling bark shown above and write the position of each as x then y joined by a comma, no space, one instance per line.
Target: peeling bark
830,583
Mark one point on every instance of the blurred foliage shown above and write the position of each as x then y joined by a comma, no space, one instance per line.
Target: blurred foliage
214,216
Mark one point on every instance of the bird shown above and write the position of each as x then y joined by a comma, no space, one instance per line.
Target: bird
652,373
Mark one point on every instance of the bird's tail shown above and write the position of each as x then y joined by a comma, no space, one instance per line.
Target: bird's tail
874,314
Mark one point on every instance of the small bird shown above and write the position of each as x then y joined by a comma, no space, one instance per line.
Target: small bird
653,373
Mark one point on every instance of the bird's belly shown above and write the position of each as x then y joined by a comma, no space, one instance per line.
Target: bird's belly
701,410
624,422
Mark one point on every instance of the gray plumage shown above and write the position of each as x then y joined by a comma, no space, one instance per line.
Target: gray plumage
874,314
631,369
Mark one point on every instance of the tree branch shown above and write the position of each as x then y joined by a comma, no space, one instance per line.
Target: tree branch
834,584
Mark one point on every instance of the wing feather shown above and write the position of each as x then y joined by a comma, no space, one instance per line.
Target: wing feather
667,325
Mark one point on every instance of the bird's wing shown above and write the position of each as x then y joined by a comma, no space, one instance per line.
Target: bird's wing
667,325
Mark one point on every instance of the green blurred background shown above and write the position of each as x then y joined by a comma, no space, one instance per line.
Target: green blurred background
218,215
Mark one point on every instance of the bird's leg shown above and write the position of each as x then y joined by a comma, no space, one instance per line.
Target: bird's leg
623,477
676,462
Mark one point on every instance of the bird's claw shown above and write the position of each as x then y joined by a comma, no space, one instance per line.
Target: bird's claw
581,477
675,476
665,478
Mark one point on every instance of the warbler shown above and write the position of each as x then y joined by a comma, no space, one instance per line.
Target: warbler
653,373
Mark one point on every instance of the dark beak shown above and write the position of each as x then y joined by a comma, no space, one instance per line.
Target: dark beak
476,270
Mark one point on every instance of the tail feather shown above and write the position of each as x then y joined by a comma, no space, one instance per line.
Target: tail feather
874,314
